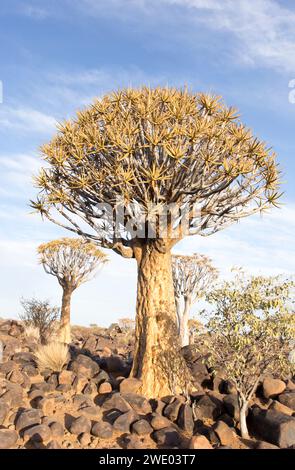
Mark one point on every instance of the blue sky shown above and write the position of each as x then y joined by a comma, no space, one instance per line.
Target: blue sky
57,55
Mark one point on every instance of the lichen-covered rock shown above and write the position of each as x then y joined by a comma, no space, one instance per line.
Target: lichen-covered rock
139,403
159,422
105,388
130,385
102,429
84,365
124,421
272,387
185,418
80,425
208,407
4,409
27,418
66,377
225,434
288,399
8,438
38,433
53,445
274,427
199,442
142,428
231,404
91,412
169,437
172,409
57,429
277,406
116,402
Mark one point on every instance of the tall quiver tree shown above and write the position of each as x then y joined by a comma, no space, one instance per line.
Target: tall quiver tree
147,151
192,275
72,261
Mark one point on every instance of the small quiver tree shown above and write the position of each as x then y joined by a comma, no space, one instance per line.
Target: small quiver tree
192,275
249,333
126,324
72,261
137,171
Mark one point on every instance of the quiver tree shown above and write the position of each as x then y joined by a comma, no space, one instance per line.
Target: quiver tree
142,168
192,275
126,323
72,261
249,333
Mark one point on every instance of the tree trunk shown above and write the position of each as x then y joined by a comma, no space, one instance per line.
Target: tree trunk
178,305
158,362
243,421
65,317
183,327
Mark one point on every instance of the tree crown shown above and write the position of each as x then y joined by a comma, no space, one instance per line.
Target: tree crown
192,275
71,260
162,146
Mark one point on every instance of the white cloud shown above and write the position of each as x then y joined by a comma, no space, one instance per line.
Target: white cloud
18,254
263,33
27,120
34,11
260,244
16,171
21,163
103,78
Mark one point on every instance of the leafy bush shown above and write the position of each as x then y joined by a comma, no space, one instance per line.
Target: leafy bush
250,332
41,315
52,356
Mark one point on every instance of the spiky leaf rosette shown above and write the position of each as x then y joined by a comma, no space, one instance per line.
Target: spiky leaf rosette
154,147
71,260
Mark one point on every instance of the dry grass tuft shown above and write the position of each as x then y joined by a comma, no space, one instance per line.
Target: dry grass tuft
52,356
32,332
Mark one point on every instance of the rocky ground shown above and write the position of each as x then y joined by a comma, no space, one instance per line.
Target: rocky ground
92,403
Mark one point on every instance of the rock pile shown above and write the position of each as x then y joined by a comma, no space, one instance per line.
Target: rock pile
92,403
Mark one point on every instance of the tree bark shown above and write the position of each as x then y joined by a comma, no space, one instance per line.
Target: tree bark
158,362
183,326
178,305
243,421
65,317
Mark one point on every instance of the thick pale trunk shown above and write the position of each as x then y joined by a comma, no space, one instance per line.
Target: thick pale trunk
65,318
157,359
183,325
178,313
243,421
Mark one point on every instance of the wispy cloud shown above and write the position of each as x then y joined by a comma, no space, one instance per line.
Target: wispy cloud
264,33
104,78
25,119
63,91
34,11
16,172
261,244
